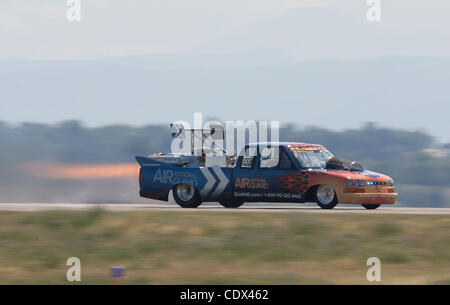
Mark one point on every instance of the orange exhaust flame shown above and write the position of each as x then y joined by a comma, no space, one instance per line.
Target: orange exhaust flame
52,170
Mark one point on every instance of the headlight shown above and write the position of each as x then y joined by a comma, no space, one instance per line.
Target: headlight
356,183
391,182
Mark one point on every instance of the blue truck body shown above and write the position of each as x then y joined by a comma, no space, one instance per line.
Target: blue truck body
157,178
302,173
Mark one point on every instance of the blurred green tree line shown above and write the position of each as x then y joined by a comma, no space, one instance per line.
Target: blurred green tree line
400,154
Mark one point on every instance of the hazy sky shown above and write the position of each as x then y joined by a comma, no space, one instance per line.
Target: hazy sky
335,29
215,32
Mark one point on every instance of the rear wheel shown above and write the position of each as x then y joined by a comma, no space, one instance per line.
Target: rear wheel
231,204
370,206
186,195
326,196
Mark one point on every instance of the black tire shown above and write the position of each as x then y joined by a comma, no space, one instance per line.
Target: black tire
325,203
186,201
370,206
231,204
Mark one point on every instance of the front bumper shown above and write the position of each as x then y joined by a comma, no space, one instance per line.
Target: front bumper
368,198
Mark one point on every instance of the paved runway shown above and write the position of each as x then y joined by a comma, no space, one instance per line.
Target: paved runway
275,208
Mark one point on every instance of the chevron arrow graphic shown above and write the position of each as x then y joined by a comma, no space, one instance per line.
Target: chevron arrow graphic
223,181
209,184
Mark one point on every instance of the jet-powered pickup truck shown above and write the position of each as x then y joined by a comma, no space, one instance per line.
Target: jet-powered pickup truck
301,173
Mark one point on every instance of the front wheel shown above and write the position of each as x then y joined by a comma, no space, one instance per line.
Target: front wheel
326,196
231,204
370,206
186,195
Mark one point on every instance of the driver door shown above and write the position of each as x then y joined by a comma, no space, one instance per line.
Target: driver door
275,166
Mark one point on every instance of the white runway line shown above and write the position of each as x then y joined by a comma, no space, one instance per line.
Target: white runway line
275,208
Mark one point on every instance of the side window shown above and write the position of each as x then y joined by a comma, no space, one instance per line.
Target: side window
248,161
285,162
269,157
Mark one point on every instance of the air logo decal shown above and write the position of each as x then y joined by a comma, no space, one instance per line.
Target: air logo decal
251,183
165,176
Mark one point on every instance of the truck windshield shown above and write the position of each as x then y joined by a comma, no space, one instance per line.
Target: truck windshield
312,158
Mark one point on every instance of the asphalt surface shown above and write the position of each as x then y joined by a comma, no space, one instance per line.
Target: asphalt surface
274,208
